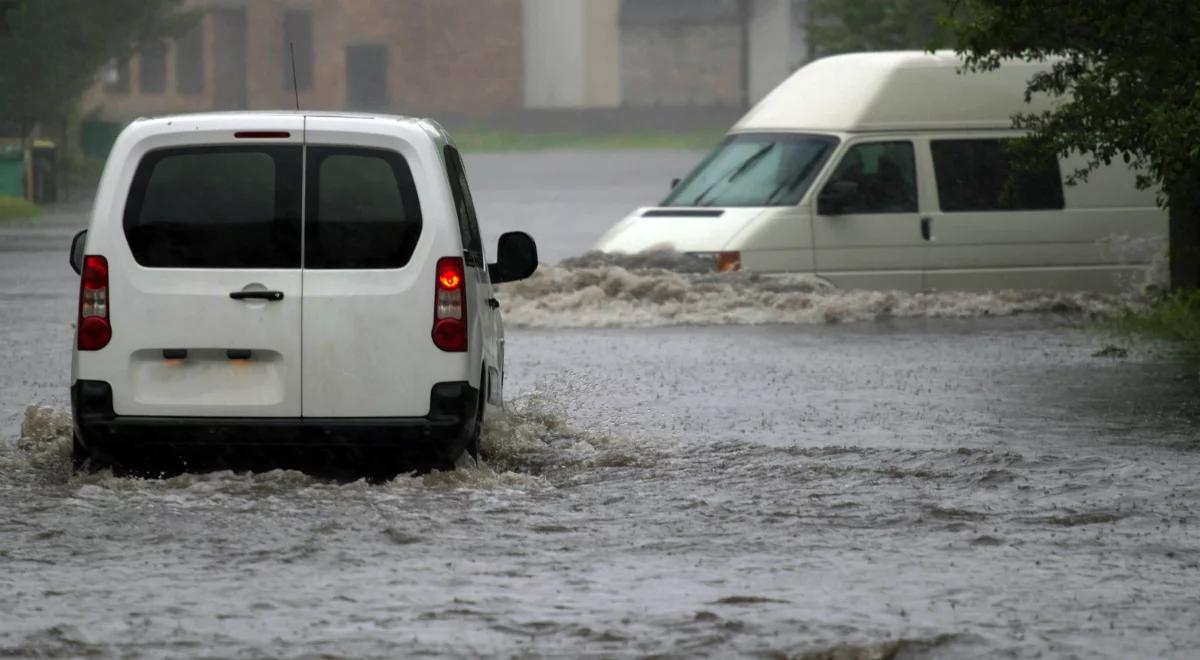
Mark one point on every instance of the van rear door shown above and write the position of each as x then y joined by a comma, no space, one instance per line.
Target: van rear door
206,301
368,291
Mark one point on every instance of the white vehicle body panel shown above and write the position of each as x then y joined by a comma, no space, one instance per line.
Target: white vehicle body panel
155,309
680,231
340,343
364,329
1103,238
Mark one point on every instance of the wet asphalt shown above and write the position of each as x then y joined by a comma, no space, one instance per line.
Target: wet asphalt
898,487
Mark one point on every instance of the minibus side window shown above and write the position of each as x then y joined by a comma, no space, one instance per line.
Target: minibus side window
876,177
986,175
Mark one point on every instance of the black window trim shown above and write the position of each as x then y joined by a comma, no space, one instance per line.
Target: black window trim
471,235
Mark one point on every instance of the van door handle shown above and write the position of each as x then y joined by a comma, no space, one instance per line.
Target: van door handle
926,228
257,295
493,303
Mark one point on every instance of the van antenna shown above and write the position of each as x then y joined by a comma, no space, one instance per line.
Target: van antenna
295,85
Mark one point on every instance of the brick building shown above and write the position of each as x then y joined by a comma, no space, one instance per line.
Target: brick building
410,56
462,58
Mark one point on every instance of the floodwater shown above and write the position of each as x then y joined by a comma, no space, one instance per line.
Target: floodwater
688,467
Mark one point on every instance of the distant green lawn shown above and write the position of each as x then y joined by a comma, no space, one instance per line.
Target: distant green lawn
469,139
12,208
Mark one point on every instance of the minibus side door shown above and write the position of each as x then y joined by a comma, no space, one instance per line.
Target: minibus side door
867,229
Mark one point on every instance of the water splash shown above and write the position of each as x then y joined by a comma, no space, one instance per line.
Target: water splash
663,288
45,440
519,445
533,436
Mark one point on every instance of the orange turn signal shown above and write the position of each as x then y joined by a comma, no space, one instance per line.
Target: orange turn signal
729,262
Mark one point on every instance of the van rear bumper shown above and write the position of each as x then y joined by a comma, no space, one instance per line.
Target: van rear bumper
444,430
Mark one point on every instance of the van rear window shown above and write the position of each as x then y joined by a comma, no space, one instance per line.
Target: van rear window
362,210
216,207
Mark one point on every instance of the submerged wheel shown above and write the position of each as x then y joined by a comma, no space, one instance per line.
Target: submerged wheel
477,425
79,454
84,459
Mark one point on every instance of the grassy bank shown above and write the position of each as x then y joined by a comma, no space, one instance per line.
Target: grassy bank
490,140
1174,318
12,208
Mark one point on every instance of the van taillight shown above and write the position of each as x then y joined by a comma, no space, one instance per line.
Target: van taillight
450,305
94,330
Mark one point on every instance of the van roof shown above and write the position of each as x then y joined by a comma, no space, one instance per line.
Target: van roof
233,115
904,90
234,120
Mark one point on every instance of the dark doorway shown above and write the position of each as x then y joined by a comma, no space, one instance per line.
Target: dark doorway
229,59
366,77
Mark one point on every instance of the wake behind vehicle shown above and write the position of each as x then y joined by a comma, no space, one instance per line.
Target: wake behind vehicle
286,281
895,171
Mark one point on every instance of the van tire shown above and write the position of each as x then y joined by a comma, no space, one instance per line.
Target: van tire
84,460
472,448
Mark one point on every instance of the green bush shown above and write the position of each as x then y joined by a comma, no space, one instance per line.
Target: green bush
13,208
1174,317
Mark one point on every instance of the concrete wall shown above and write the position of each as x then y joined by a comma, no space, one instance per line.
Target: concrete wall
678,52
603,69
770,45
683,65
571,54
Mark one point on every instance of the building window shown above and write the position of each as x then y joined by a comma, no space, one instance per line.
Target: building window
189,62
298,34
115,77
367,77
152,74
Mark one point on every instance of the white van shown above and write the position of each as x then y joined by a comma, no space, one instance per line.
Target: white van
285,280
891,171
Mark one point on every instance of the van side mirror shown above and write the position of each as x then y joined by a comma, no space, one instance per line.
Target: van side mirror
76,256
835,196
517,258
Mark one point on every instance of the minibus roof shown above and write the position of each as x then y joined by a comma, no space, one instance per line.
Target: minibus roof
895,91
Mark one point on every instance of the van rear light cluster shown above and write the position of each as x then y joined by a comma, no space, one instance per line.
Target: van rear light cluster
450,305
93,330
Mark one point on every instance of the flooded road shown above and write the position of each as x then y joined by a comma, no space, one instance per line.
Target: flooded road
679,474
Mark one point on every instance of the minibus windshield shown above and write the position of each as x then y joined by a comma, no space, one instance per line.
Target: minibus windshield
755,169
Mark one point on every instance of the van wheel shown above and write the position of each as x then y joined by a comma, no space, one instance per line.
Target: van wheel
477,425
84,460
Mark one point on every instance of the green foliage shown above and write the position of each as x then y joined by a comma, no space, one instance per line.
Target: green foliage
843,26
52,49
1174,318
1127,73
